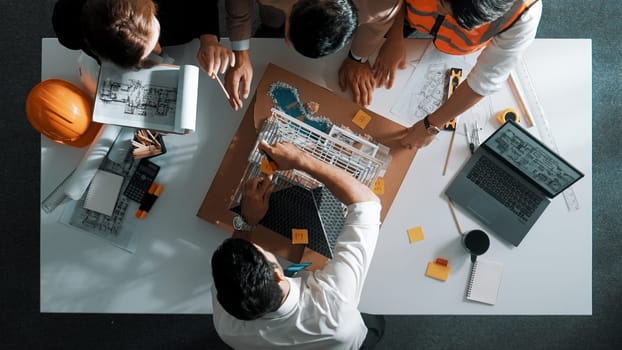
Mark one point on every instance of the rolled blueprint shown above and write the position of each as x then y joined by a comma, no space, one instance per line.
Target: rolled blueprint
88,69
85,171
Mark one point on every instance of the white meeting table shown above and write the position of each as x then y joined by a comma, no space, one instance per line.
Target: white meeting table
549,273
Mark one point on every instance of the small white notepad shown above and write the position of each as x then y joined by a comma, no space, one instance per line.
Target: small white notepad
103,192
485,281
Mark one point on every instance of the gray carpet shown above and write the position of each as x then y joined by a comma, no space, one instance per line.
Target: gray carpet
22,326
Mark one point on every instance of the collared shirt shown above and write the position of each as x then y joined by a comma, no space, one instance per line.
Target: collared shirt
321,309
498,58
375,19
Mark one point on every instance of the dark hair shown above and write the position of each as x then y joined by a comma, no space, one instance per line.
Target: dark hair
474,13
244,279
320,27
118,30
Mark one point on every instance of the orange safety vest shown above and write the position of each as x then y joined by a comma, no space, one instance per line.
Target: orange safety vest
449,36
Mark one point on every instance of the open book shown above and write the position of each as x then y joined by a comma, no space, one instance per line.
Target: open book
162,98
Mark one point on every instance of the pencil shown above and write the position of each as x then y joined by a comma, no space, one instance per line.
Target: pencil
451,145
453,214
520,99
222,86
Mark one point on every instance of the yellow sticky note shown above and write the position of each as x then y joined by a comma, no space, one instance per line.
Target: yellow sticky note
438,271
379,186
300,236
266,167
361,119
415,234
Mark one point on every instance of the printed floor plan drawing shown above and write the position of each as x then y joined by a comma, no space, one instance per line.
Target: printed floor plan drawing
163,97
140,99
425,90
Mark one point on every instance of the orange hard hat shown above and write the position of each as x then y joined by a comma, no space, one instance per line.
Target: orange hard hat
62,112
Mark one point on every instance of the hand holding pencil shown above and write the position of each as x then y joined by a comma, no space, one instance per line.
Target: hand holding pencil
215,59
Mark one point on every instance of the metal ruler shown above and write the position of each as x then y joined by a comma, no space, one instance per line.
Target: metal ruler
521,75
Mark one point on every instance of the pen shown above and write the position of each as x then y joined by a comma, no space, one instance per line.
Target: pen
475,135
469,142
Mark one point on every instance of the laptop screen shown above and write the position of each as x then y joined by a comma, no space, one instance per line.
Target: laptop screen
531,157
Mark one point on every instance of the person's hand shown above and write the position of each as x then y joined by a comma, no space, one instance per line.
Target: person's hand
284,154
392,55
238,79
213,57
256,199
417,137
359,78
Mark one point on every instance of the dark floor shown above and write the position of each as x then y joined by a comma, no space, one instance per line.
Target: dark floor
23,327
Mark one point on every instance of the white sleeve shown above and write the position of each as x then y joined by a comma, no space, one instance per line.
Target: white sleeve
346,272
499,57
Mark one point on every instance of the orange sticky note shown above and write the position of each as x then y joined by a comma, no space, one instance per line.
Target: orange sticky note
266,167
415,234
438,271
361,119
379,186
300,236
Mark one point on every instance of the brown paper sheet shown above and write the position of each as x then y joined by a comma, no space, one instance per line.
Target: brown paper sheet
215,206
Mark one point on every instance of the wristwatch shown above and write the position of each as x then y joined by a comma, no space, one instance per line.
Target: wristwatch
356,58
239,224
431,129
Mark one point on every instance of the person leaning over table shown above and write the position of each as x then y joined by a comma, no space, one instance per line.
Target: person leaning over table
257,307
315,28
503,29
126,32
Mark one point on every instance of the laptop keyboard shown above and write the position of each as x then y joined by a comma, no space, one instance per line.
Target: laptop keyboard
503,187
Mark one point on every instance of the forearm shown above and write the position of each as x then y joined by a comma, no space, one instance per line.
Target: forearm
396,32
342,185
378,18
242,57
460,101
208,39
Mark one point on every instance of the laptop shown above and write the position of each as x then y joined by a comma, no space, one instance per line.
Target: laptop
510,180
316,210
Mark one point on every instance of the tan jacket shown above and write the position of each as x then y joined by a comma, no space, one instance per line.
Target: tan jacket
375,19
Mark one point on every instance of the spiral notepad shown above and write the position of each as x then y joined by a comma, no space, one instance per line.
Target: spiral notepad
485,281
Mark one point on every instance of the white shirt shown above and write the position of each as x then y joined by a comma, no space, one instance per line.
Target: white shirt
505,49
321,309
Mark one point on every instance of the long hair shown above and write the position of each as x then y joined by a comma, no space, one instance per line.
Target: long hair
118,30
244,279
321,27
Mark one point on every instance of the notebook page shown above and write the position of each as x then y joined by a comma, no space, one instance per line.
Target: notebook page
103,192
485,281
